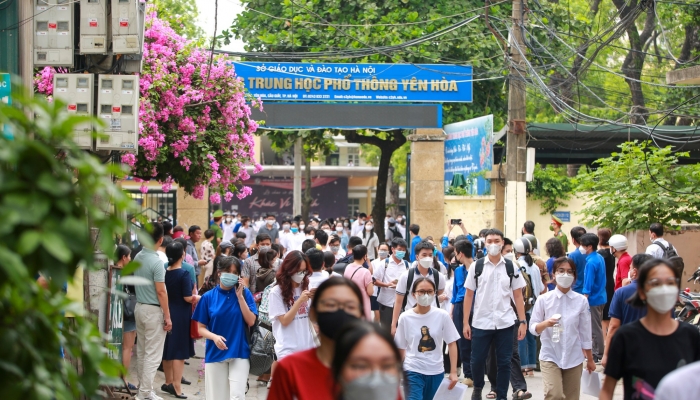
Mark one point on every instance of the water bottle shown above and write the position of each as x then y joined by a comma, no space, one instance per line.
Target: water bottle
556,329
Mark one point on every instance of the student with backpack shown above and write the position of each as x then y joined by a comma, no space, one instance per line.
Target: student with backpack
386,277
424,268
495,281
527,347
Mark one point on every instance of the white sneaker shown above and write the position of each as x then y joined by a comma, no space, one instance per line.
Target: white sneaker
150,396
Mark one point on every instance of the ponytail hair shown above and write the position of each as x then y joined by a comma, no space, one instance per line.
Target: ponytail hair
174,252
120,252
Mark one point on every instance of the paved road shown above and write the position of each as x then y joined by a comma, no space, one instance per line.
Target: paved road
195,373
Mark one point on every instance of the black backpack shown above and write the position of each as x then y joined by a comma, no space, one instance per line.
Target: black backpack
409,286
396,232
479,269
671,255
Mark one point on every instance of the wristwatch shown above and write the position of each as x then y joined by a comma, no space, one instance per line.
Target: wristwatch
523,322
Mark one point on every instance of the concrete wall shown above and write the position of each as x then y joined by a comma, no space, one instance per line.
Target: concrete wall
542,232
476,212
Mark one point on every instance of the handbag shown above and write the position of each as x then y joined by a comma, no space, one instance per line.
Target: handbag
129,305
194,326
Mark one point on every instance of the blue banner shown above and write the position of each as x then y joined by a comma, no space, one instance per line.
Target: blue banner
434,83
5,97
469,153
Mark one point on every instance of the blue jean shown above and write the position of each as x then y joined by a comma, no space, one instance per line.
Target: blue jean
502,340
464,345
528,348
422,387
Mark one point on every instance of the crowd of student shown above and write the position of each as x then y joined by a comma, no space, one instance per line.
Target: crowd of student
466,305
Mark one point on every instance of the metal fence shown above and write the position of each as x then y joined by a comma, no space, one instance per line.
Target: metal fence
156,204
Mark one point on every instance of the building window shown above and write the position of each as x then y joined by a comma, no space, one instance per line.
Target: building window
353,207
333,159
353,156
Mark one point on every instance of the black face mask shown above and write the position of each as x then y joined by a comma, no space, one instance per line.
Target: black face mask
330,323
454,265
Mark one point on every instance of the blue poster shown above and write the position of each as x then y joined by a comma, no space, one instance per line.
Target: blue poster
469,152
5,97
435,83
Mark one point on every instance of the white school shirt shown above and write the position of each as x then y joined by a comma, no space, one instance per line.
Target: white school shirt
228,231
317,278
424,356
403,282
447,304
492,308
576,321
655,250
297,335
386,273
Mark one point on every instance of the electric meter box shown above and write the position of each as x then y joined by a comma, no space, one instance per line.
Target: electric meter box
127,26
53,33
77,91
118,107
94,26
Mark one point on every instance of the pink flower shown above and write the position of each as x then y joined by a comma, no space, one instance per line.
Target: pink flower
228,196
244,192
144,189
198,192
215,198
129,159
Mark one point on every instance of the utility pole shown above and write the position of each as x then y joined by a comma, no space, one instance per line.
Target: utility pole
296,203
516,148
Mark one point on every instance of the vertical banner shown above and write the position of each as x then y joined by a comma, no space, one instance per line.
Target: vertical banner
5,97
115,323
469,155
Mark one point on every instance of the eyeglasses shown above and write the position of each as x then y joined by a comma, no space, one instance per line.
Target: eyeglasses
331,305
424,292
661,282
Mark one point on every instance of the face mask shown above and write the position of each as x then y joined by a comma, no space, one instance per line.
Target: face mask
426,262
330,323
383,254
285,227
294,230
228,220
551,228
302,226
309,236
270,222
298,277
335,249
400,254
345,224
368,227
328,231
265,248
494,249
565,280
454,266
426,299
509,256
582,249
228,279
375,386
663,298
338,228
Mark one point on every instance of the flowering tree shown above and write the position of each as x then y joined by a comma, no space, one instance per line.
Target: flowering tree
195,125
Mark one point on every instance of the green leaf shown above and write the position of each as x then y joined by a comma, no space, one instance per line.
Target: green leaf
28,242
53,243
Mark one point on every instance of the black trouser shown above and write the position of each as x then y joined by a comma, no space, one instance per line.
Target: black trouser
385,316
464,345
517,380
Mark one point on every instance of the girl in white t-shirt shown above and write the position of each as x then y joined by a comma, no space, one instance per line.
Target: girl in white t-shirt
420,334
289,307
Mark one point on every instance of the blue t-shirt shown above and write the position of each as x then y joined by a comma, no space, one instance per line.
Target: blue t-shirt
594,280
414,242
550,267
220,311
458,291
621,310
580,261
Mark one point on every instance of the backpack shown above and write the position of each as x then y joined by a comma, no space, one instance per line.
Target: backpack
479,269
409,286
528,291
264,310
396,232
386,265
671,255
262,350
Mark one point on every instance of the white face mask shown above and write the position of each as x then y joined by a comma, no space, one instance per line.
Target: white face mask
368,227
582,249
662,298
383,254
270,222
426,262
565,280
302,226
298,277
494,249
509,256
426,299
285,227
338,228
374,386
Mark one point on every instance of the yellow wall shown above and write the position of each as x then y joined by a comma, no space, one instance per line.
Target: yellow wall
542,232
476,212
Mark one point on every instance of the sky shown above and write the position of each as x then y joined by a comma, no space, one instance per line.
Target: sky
228,9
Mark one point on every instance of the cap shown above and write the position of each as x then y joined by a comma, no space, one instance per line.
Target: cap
392,220
619,242
225,244
218,214
557,220
522,246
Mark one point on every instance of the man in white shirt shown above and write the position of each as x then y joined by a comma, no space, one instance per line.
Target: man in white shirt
656,233
334,247
316,262
286,233
386,275
424,252
359,225
227,226
494,319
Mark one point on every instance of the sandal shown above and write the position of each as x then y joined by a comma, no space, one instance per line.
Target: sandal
522,395
491,395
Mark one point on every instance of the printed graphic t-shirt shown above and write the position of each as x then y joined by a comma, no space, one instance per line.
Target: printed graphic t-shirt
642,359
297,335
422,335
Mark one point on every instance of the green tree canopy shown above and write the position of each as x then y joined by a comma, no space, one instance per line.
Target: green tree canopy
182,16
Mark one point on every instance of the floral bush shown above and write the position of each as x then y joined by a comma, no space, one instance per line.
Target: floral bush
195,123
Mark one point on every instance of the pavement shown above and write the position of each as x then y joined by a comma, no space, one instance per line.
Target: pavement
195,373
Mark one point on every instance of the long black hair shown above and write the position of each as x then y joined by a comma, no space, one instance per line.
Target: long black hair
174,252
120,252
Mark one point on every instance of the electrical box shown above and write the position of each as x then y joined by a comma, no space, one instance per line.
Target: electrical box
94,26
127,26
118,107
77,91
53,33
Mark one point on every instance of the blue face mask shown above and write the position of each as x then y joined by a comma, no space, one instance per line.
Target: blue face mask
434,252
400,254
228,279
295,230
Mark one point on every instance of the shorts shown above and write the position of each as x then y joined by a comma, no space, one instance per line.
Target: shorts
374,304
129,326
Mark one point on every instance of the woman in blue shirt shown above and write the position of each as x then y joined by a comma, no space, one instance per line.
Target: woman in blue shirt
224,314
